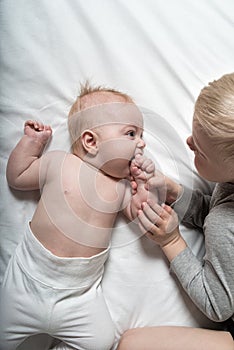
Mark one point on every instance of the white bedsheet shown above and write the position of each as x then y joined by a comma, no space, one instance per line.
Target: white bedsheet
161,52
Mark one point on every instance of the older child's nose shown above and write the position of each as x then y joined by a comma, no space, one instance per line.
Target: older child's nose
190,143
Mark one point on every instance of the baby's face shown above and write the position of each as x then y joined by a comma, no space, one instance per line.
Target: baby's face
120,139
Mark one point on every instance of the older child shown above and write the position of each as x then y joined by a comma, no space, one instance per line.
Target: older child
209,283
52,283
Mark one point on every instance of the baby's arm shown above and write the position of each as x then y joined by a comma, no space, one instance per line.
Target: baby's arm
23,165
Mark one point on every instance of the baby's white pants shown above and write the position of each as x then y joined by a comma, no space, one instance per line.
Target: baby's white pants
42,293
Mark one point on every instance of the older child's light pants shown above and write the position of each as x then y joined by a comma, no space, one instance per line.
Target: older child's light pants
42,293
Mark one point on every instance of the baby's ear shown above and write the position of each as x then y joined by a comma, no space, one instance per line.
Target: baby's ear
89,141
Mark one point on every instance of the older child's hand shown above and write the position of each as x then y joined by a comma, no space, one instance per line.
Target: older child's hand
38,131
160,223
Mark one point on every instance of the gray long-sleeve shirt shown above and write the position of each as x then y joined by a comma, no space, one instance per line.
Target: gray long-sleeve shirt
210,282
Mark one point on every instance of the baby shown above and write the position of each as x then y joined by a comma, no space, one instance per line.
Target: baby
52,283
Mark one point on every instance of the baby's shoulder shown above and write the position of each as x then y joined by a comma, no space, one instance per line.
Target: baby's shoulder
59,157
55,161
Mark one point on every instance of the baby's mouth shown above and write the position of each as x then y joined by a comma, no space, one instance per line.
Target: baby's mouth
130,161
138,152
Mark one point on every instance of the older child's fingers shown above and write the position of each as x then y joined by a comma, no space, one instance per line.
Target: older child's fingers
153,213
160,210
145,224
151,230
167,208
150,220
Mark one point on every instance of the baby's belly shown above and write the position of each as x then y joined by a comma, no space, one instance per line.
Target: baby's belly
70,227
70,239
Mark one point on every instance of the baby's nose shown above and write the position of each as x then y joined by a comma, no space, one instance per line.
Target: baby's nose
141,143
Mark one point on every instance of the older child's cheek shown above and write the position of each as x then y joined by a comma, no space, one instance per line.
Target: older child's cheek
203,168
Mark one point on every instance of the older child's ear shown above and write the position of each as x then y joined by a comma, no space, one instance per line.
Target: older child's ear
90,142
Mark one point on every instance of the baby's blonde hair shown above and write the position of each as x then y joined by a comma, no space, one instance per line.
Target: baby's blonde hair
214,110
88,97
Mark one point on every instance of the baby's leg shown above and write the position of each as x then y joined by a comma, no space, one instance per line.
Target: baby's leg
21,312
175,338
84,322
142,169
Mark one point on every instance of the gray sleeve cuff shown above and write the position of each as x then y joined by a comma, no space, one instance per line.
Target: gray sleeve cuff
181,205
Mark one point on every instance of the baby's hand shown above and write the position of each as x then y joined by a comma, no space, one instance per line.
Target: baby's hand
37,130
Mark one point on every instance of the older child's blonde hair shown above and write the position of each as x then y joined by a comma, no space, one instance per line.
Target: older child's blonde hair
88,97
214,110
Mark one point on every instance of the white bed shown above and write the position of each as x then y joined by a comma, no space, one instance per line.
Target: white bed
161,52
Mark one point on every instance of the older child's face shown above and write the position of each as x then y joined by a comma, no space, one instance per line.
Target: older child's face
208,161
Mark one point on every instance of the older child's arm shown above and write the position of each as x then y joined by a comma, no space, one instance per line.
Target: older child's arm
23,164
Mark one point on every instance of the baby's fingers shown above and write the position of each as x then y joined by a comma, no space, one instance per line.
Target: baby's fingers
33,124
